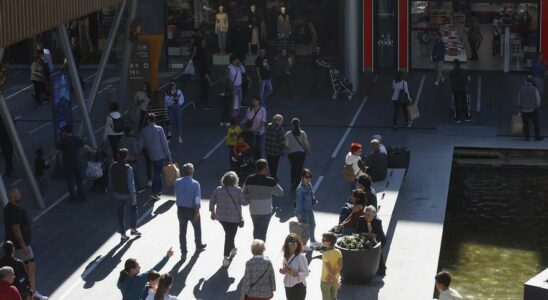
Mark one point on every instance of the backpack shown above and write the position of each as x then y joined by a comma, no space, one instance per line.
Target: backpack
117,124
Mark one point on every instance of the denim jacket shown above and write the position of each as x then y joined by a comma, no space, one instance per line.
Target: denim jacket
305,199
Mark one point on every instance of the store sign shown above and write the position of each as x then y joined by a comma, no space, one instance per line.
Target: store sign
62,109
385,40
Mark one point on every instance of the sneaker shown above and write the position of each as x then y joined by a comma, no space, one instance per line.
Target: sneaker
154,197
180,140
140,191
37,295
233,252
124,238
307,248
135,232
226,262
468,119
436,83
149,183
200,247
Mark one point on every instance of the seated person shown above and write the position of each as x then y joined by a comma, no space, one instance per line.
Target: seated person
371,225
382,148
240,151
364,184
351,212
377,162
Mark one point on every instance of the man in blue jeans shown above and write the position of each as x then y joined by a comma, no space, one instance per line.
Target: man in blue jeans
153,139
122,185
70,147
258,190
188,196
264,75
174,101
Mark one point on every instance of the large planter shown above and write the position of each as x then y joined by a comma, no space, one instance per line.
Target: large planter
398,159
360,266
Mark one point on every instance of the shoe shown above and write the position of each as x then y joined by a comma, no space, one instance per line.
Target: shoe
154,197
457,121
436,83
539,139
135,232
468,119
226,262
124,238
233,252
180,140
307,248
37,295
149,183
140,191
200,247
222,124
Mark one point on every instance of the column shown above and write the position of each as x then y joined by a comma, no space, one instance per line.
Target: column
351,29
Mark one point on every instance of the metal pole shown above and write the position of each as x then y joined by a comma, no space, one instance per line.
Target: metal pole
77,84
20,151
124,75
351,57
3,192
104,60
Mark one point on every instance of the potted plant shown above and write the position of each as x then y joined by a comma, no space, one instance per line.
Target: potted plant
361,254
398,157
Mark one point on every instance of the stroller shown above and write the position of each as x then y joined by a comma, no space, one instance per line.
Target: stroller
243,164
340,84
98,170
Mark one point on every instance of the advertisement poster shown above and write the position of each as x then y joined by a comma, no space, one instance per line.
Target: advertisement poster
62,110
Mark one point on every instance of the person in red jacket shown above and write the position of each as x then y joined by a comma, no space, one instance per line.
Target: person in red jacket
7,290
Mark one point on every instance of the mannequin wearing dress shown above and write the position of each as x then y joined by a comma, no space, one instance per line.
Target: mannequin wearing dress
253,25
221,28
284,26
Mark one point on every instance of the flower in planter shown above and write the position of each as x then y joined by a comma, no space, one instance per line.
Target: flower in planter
357,242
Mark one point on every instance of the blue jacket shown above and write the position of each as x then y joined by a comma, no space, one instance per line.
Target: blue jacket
305,199
132,287
438,51
153,138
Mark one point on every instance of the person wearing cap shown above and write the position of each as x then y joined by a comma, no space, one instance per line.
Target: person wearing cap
377,162
354,158
382,148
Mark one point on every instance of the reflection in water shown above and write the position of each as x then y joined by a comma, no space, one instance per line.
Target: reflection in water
495,234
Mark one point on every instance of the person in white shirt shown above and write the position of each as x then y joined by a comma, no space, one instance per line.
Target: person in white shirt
46,58
401,98
354,158
235,79
294,267
114,128
162,292
174,100
255,121
443,280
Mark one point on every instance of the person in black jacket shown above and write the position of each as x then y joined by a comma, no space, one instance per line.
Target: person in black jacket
377,162
371,225
21,276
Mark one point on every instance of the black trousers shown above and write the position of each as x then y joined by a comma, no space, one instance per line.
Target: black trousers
282,80
39,90
296,292
473,48
397,107
230,234
533,116
273,162
460,104
296,159
7,152
186,215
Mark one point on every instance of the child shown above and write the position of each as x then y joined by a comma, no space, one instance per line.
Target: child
240,150
443,280
331,267
232,134
40,165
153,277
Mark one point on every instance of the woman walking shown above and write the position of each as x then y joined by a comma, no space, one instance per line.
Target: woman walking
259,282
295,268
297,146
400,98
114,128
141,100
38,78
226,207
304,203
162,292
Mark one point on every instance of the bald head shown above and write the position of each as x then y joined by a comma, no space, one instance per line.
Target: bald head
14,195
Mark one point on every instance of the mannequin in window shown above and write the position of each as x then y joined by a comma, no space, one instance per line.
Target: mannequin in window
284,26
221,28
254,24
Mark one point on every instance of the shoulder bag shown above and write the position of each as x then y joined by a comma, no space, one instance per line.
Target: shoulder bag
241,224
259,278
299,142
249,123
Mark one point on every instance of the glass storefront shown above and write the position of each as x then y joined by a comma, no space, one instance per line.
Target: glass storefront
502,32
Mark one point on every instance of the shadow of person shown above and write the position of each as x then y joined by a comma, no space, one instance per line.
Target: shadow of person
216,286
179,277
102,266
356,291
165,207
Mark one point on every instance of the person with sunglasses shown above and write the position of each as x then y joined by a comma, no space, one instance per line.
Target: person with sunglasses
304,202
295,268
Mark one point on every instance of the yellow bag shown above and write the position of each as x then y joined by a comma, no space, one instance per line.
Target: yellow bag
171,173
516,127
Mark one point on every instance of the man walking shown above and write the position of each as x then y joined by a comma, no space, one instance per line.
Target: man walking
7,289
264,76
122,185
274,144
188,196
21,276
438,57
528,104
235,75
70,147
18,228
461,102
153,139
258,190
174,101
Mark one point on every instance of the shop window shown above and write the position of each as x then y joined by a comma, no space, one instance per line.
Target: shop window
491,26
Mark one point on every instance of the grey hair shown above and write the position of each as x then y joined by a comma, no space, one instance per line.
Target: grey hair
257,247
370,208
230,178
5,271
188,169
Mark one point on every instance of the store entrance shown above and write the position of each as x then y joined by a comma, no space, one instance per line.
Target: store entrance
500,36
